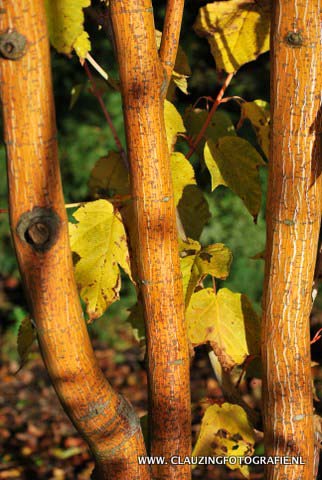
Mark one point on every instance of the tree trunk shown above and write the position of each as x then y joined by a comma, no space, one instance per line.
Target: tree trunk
293,222
143,85
40,234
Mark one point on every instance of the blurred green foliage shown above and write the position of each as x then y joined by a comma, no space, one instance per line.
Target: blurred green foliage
84,137
232,225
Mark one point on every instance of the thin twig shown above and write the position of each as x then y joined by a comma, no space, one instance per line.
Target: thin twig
113,83
210,115
229,390
107,116
237,99
97,67
317,336
247,362
208,99
116,199
170,36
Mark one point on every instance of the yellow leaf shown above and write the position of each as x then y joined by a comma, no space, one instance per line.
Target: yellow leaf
237,31
188,247
100,241
213,260
258,114
181,82
82,45
226,320
181,71
225,431
186,266
109,177
188,250
26,337
182,174
233,162
173,124
66,26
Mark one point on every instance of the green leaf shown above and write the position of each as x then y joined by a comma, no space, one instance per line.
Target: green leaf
219,126
66,26
100,241
173,123
233,162
75,93
237,31
194,211
182,174
213,260
25,339
136,319
225,431
258,114
109,177
226,320
254,368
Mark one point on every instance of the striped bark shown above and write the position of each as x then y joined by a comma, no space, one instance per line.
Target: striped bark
293,222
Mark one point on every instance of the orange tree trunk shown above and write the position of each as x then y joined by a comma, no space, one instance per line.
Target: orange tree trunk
39,228
143,81
293,222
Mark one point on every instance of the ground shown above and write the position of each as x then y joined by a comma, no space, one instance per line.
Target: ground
39,442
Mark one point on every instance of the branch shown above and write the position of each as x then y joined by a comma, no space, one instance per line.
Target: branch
170,37
210,115
293,215
154,218
39,230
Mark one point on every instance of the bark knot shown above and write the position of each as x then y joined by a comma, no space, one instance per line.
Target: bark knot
39,228
294,39
12,45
